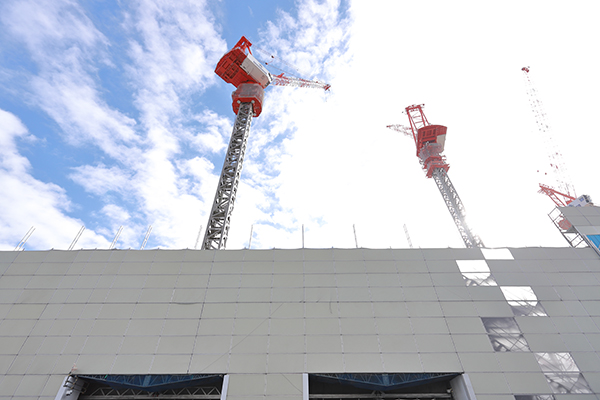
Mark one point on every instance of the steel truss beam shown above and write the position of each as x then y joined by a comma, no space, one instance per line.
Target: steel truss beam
569,232
456,208
108,393
384,382
379,395
219,220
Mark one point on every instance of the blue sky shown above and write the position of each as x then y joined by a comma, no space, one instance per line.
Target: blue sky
111,115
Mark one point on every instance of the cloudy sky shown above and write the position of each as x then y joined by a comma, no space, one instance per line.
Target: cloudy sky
111,115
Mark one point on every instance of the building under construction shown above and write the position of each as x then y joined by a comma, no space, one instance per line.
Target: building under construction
463,324
305,324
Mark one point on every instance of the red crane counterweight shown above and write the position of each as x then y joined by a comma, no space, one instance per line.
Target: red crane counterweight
429,139
239,66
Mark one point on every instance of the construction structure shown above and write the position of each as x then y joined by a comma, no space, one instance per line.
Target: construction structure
429,140
240,68
561,191
303,324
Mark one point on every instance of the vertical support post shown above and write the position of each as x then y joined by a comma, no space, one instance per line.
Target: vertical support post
462,388
250,240
302,235
407,236
74,242
456,208
114,242
305,389
198,237
70,389
224,387
219,220
355,239
146,237
22,242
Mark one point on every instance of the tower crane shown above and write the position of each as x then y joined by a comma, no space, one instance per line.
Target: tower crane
430,140
240,68
562,192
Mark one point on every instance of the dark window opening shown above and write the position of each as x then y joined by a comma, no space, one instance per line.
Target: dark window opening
206,387
381,386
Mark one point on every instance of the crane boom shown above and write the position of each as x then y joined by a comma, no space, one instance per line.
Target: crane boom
401,128
430,140
281,80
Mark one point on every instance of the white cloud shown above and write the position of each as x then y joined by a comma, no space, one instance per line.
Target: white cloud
115,213
73,102
174,57
64,43
214,135
101,179
47,26
173,48
27,201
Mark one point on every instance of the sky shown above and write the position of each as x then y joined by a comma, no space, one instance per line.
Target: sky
111,115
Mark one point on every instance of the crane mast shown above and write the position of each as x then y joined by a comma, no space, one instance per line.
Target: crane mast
217,229
430,140
239,67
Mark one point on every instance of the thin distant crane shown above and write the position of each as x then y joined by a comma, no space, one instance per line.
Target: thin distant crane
250,77
430,140
561,192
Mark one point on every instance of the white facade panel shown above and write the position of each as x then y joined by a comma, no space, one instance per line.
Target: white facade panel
266,317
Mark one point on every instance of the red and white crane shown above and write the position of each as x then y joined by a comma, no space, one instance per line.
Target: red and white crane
430,140
561,191
240,68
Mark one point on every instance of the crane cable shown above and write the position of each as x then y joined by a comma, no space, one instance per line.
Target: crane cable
277,59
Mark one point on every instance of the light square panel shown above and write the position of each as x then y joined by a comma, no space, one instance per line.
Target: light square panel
180,327
480,362
325,362
497,254
170,364
363,362
360,344
398,344
358,326
424,309
429,325
435,344
248,363
440,362
295,344
285,363
284,384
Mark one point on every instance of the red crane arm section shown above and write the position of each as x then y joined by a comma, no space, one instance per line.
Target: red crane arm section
560,199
